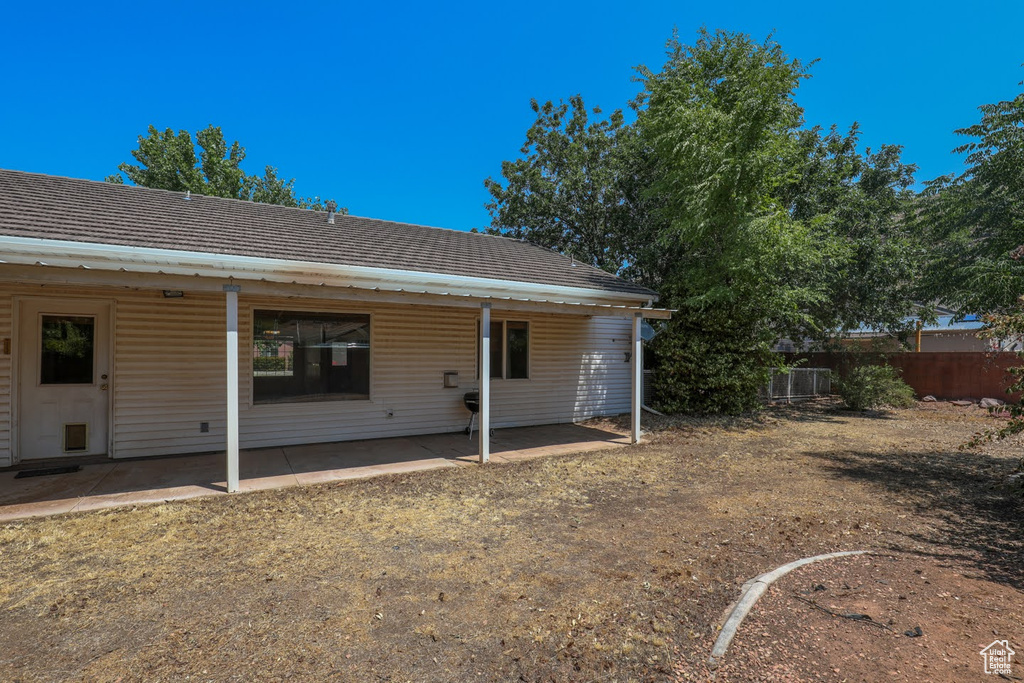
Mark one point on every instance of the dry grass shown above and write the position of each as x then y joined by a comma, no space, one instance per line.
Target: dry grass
612,565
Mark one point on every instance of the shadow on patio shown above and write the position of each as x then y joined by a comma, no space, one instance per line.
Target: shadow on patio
148,480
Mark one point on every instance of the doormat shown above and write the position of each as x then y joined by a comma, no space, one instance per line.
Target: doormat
47,470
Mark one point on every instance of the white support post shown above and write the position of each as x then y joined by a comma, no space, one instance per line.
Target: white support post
637,360
485,383
231,296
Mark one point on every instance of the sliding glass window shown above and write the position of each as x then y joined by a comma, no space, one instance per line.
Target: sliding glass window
510,349
299,356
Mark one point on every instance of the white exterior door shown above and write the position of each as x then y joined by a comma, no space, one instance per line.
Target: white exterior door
63,378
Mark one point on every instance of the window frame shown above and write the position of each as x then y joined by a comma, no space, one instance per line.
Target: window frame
503,321
249,362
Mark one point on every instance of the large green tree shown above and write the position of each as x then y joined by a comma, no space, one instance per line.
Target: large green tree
566,191
976,220
722,121
749,224
581,188
858,202
167,160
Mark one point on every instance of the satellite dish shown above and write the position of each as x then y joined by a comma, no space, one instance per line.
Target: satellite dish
648,331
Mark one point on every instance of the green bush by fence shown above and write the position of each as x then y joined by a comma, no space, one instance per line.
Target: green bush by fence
874,386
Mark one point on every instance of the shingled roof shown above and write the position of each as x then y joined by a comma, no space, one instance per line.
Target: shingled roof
56,208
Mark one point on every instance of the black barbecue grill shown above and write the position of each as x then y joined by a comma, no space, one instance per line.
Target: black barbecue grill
472,401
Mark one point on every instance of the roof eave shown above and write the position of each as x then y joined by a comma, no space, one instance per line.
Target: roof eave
70,254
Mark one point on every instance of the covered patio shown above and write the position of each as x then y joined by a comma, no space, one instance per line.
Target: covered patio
112,483
278,346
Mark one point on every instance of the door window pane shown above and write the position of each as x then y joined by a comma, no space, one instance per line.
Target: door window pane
310,356
66,349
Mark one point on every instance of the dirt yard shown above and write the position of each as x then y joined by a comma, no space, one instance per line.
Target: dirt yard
609,566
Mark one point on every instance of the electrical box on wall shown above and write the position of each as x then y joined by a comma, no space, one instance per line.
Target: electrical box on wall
451,380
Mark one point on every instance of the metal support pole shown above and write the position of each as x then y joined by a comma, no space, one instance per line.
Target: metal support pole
485,383
231,296
637,360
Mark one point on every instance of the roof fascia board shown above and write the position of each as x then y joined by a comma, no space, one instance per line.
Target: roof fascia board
27,250
58,276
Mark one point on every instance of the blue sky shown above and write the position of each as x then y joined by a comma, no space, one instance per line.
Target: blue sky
400,111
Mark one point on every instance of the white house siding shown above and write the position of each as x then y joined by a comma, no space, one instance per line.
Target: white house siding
5,380
168,374
578,369
412,348
169,356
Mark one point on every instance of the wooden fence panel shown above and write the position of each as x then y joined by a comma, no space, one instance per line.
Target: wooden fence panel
945,375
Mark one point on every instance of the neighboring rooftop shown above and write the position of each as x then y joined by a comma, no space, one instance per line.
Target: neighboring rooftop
55,208
943,323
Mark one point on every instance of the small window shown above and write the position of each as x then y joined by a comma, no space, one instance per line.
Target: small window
300,356
517,350
497,335
510,350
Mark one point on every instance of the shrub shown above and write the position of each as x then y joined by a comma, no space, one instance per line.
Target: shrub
269,364
875,386
706,365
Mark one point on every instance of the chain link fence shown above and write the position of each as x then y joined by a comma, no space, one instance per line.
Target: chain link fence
797,383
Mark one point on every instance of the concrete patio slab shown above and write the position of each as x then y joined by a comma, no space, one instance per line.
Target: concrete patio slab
449,445
525,443
152,480
356,459
49,495
265,468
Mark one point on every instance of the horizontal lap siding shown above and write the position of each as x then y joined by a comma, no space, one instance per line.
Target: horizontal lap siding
169,355
578,370
169,374
6,306
411,349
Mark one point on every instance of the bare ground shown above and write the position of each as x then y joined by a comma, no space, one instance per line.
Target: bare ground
608,566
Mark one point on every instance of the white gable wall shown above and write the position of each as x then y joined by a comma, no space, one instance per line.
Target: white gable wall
5,381
168,372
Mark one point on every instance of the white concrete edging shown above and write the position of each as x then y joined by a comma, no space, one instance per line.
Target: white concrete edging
752,591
